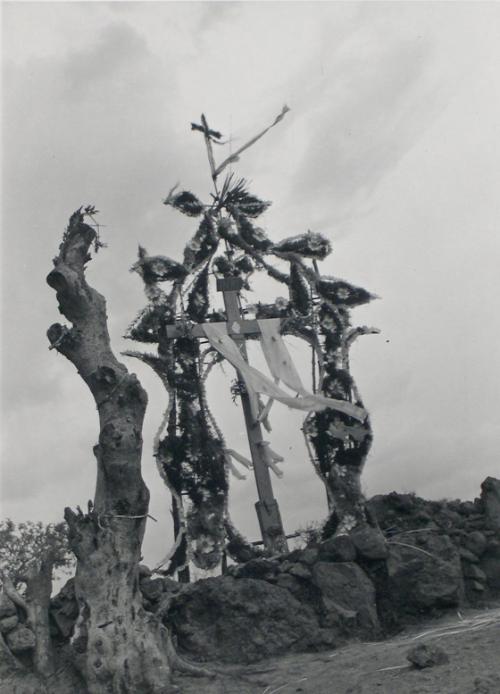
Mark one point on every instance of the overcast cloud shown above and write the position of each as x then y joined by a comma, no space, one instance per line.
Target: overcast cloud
391,149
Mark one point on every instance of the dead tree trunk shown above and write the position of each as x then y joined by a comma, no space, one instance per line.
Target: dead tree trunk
38,590
35,604
118,646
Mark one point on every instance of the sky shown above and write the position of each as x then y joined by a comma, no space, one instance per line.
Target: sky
391,149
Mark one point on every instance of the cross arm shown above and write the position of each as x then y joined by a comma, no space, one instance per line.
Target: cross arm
236,328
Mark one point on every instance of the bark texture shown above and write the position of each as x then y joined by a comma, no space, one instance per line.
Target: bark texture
35,604
119,648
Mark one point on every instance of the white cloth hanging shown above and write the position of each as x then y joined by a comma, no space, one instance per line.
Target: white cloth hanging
277,355
257,382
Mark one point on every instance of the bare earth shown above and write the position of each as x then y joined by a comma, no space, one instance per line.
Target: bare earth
470,638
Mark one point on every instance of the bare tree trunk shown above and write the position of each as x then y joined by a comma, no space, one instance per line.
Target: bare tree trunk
38,590
119,647
35,605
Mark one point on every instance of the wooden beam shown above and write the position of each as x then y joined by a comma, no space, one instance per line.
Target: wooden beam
268,513
234,328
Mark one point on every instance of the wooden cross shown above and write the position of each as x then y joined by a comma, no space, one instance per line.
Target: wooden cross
267,509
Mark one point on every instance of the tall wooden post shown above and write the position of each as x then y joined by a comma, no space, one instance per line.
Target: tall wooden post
267,508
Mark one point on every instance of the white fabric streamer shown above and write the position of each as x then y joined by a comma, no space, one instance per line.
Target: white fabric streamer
255,381
277,355
240,458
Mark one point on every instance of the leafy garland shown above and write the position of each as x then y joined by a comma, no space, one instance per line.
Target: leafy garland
191,454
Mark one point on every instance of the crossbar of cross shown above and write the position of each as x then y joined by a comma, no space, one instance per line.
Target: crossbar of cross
238,328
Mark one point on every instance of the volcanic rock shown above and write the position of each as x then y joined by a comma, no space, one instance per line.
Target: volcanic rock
427,655
240,620
20,639
347,599
424,576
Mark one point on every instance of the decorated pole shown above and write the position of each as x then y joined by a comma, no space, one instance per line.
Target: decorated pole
268,513
192,455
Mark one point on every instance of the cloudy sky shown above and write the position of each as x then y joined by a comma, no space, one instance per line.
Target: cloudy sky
391,149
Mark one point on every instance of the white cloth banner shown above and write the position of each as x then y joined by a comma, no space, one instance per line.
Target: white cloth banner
277,356
257,382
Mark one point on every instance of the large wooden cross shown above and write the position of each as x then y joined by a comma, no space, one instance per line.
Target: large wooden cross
238,327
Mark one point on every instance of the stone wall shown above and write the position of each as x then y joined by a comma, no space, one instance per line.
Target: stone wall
426,557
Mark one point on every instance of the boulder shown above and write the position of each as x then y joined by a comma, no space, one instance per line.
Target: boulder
144,571
468,556
347,599
20,639
478,587
424,573
474,572
258,568
290,583
490,497
299,570
7,607
8,623
475,542
308,556
488,683
466,508
339,548
64,609
152,588
490,564
240,620
427,655
370,544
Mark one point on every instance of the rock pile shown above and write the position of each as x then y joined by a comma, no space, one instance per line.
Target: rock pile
18,637
425,557
471,527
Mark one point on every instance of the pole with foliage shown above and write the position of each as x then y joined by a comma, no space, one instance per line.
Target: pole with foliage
190,449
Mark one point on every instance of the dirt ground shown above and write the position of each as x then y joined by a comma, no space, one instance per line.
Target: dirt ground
470,638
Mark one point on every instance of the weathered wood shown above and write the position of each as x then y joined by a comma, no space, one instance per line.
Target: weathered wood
271,526
267,508
119,648
238,326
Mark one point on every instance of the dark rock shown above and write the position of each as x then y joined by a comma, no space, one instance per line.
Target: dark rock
423,518
64,623
240,620
64,609
490,564
475,542
404,503
490,496
427,655
299,570
466,555
308,556
7,607
20,639
466,508
144,571
171,586
420,580
478,587
151,588
489,683
289,583
339,548
258,568
8,623
347,599
473,571
370,544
